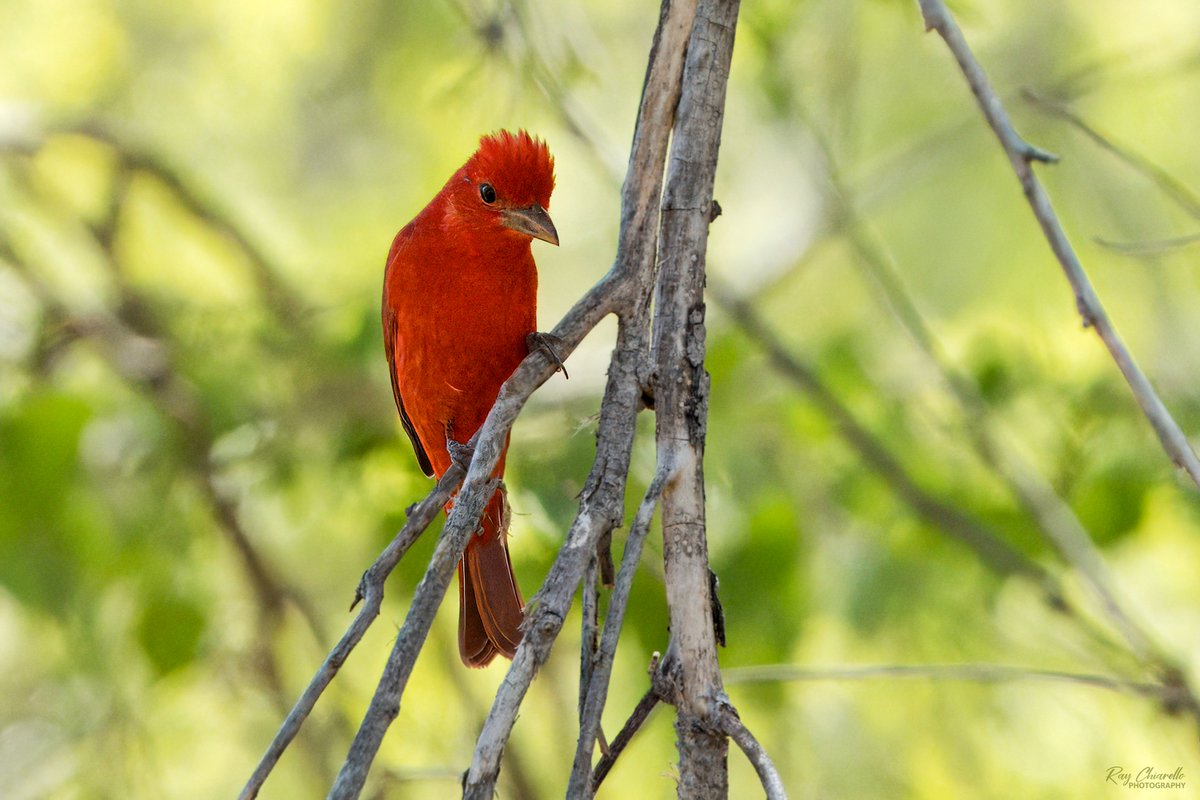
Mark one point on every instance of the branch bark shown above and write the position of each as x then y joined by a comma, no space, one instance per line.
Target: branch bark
681,398
1053,517
637,718
768,774
626,291
580,785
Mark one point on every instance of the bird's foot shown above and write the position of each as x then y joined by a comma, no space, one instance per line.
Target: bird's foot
549,344
460,454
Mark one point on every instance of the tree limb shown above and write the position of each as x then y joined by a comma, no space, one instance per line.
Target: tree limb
580,785
370,591
1021,154
768,773
641,712
681,397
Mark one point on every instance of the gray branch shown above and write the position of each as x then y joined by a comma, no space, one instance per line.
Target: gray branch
580,785
768,774
1056,518
681,398
370,591
1020,154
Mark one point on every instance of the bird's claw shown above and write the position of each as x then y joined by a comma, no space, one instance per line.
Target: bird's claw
460,453
548,343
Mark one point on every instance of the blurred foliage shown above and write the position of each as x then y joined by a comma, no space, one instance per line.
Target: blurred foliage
199,454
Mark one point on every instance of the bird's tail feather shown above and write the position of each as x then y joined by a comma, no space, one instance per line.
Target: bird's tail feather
490,608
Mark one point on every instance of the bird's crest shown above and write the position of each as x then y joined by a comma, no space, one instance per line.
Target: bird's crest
519,165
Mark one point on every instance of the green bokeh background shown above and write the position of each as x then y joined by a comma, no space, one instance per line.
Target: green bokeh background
196,199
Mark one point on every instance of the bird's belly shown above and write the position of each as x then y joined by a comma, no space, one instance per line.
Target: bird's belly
450,377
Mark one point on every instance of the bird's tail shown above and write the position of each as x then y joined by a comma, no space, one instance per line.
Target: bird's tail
490,608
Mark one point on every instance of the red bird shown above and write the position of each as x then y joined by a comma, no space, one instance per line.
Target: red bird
459,311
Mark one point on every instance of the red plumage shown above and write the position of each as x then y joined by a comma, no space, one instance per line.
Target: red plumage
459,301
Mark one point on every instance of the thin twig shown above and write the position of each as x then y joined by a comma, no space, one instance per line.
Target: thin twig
1172,187
1154,247
1055,519
768,773
1058,521
1176,190
974,673
370,590
638,717
597,689
1020,153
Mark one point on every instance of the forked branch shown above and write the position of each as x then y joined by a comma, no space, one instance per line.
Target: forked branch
1020,154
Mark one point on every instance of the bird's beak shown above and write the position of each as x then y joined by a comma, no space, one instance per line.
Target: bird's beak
532,221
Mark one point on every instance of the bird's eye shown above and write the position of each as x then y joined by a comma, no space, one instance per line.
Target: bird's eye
487,193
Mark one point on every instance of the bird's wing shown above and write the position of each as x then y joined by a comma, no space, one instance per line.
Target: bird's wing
389,346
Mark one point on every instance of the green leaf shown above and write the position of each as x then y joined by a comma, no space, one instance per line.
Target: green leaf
40,441
1110,501
169,632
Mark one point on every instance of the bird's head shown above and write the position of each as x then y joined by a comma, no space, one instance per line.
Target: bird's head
507,183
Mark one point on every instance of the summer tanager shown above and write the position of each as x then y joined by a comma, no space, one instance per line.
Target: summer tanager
459,315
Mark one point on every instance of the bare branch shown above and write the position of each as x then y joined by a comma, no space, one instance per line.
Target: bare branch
975,673
768,774
1172,187
601,671
641,712
460,525
1055,519
681,396
1020,153
370,590
621,289
1058,522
